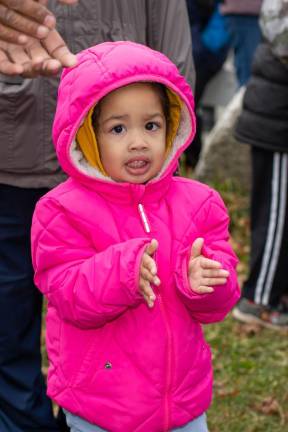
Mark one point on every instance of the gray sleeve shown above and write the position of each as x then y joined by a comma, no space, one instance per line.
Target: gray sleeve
168,31
274,26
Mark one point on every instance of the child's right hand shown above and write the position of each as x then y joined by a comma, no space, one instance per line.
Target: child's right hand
148,273
204,273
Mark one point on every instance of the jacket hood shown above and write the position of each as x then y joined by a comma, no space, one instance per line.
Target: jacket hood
100,70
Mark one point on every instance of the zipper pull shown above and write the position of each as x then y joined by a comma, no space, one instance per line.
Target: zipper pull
144,218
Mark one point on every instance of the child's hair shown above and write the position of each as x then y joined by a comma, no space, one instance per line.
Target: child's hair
161,90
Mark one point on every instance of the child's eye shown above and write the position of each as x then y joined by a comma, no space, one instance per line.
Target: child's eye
152,126
118,129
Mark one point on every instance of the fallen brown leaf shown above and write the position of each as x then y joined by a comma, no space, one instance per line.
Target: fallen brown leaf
247,330
270,406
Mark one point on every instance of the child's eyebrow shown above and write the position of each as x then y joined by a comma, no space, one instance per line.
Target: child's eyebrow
126,116
115,117
153,115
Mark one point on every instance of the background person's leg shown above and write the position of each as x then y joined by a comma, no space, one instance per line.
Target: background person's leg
24,406
245,35
264,291
267,281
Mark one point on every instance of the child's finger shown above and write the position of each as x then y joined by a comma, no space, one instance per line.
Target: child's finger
215,273
203,289
214,281
149,300
150,277
149,264
197,247
207,263
148,293
152,247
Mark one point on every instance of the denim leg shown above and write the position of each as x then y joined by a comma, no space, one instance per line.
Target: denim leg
24,406
197,425
245,36
77,424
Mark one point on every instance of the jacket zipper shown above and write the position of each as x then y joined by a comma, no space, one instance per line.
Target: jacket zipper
169,362
147,229
144,218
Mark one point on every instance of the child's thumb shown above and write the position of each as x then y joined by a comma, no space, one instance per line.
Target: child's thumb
151,248
197,247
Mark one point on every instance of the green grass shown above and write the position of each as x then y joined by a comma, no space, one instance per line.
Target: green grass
250,363
250,371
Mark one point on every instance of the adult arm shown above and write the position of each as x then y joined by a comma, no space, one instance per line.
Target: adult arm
86,286
210,307
22,18
168,31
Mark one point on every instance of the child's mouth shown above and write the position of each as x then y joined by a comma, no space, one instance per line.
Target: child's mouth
138,166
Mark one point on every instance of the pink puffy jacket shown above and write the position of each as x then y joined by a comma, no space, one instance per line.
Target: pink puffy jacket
114,361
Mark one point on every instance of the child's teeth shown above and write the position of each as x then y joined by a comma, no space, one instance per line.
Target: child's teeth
137,164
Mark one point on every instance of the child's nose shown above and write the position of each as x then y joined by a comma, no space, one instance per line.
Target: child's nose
137,141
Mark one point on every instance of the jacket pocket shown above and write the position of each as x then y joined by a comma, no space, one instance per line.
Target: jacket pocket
20,114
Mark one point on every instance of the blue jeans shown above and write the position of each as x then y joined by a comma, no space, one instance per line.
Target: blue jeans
77,424
245,35
24,405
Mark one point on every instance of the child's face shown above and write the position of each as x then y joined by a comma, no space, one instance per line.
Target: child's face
131,133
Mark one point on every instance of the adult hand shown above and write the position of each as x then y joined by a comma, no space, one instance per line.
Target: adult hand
204,273
22,18
44,57
148,273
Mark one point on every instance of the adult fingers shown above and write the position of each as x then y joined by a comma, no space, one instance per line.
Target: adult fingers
12,36
48,67
35,51
7,65
197,247
31,10
68,2
41,59
15,27
30,63
57,49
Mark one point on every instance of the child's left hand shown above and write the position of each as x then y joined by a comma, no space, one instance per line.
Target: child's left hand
204,273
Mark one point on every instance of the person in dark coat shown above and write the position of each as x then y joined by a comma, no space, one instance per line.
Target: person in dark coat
210,48
263,124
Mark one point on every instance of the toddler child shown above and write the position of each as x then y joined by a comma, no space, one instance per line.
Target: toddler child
131,259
